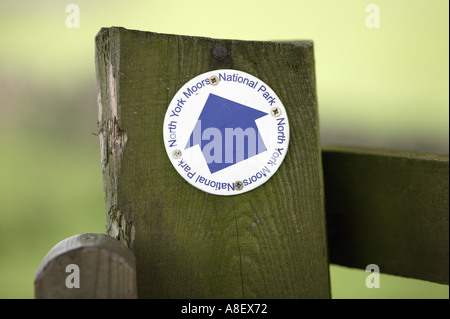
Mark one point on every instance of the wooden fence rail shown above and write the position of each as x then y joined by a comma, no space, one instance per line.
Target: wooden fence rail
389,208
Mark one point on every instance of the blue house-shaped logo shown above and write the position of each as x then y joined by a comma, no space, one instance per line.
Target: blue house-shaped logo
227,133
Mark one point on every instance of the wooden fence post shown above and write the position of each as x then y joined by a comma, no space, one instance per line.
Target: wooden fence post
87,266
267,243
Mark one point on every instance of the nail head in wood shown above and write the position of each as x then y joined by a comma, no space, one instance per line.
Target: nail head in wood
220,53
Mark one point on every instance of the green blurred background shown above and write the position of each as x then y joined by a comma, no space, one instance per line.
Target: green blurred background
384,87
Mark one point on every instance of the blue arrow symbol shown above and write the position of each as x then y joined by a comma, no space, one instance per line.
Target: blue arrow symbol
227,133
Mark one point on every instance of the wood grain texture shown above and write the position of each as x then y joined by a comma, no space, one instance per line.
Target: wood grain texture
388,208
106,269
267,243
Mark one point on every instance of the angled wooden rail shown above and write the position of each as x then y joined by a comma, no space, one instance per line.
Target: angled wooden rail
388,208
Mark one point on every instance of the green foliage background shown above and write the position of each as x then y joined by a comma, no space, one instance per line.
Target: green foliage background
385,87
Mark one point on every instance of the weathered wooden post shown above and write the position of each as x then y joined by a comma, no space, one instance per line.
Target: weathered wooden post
269,242
87,266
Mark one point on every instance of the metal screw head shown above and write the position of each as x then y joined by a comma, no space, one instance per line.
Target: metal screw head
214,80
276,111
220,53
238,185
176,154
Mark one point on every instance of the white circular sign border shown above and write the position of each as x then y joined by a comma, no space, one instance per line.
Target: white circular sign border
184,110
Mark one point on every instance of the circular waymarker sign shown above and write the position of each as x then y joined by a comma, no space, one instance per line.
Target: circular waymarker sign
226,132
